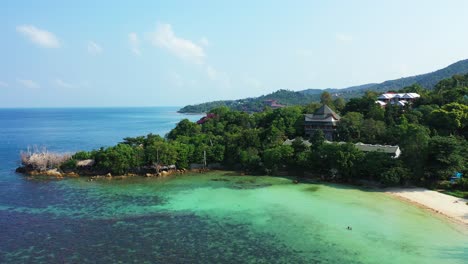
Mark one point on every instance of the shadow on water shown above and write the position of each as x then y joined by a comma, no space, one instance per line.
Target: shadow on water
458,253
312,188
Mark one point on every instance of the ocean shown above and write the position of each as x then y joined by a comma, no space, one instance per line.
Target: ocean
218,217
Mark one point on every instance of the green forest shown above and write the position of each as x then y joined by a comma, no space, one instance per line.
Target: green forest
431,133
290,98
256,104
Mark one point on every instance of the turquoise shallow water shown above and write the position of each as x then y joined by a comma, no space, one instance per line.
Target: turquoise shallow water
212,218
221,218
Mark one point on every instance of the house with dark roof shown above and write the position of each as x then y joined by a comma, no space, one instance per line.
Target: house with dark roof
324,119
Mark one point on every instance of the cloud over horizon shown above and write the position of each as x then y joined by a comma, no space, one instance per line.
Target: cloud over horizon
134,42
344,38
94,48
38,36
204,42
29,84
62,84
164,37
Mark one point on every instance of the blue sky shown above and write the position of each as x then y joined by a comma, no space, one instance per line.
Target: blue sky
172,53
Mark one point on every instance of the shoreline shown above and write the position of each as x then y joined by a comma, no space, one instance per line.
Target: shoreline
451,207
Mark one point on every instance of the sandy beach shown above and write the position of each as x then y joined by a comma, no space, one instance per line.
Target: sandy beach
450,206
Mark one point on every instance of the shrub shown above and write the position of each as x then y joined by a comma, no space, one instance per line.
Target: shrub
82,155
446,185
394,176
462,184
69,164
43,160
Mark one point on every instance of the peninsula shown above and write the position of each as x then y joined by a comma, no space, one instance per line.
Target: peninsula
413,137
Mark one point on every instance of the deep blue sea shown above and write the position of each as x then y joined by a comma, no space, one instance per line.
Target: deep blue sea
217,217
61,130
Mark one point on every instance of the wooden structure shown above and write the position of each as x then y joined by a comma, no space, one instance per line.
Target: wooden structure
324,119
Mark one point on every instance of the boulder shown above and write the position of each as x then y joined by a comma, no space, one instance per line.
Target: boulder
71,174
53,173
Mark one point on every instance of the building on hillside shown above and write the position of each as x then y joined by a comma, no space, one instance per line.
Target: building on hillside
206,118
400,99
393,151
273,104
289,142
323,119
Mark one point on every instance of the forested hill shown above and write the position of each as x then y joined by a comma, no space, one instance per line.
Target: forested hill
428,80
255,104
286,97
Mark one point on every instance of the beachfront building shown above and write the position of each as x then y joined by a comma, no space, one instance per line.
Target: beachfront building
324,119
400,99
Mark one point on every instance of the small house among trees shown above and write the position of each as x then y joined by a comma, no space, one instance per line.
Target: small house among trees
273,104
393,151
324,119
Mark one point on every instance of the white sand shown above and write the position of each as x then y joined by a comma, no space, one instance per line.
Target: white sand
453,207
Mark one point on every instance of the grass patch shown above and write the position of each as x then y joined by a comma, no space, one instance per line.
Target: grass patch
457,193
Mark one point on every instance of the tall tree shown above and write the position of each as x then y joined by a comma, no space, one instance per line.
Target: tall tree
326,98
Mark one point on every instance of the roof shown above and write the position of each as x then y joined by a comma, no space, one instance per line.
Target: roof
290,142
387,96
380,103
206,118
395,150
324,113
85,163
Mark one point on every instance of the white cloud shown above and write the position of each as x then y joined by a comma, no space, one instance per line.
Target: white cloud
41,37
134,42
211,72
185,49
29,84
221,78
175,79
253,83
204,42
341,37
94,48
3,84
304,53
62,84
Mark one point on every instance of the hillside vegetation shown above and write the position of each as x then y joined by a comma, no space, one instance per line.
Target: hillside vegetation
289,98
432,134
256,104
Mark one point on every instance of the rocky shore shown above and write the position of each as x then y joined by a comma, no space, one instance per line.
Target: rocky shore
93,174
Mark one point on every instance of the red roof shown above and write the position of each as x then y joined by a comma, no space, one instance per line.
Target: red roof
206,118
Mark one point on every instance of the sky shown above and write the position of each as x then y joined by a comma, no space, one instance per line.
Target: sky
174,53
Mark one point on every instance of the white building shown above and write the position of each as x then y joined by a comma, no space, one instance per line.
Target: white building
400,99
393,151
